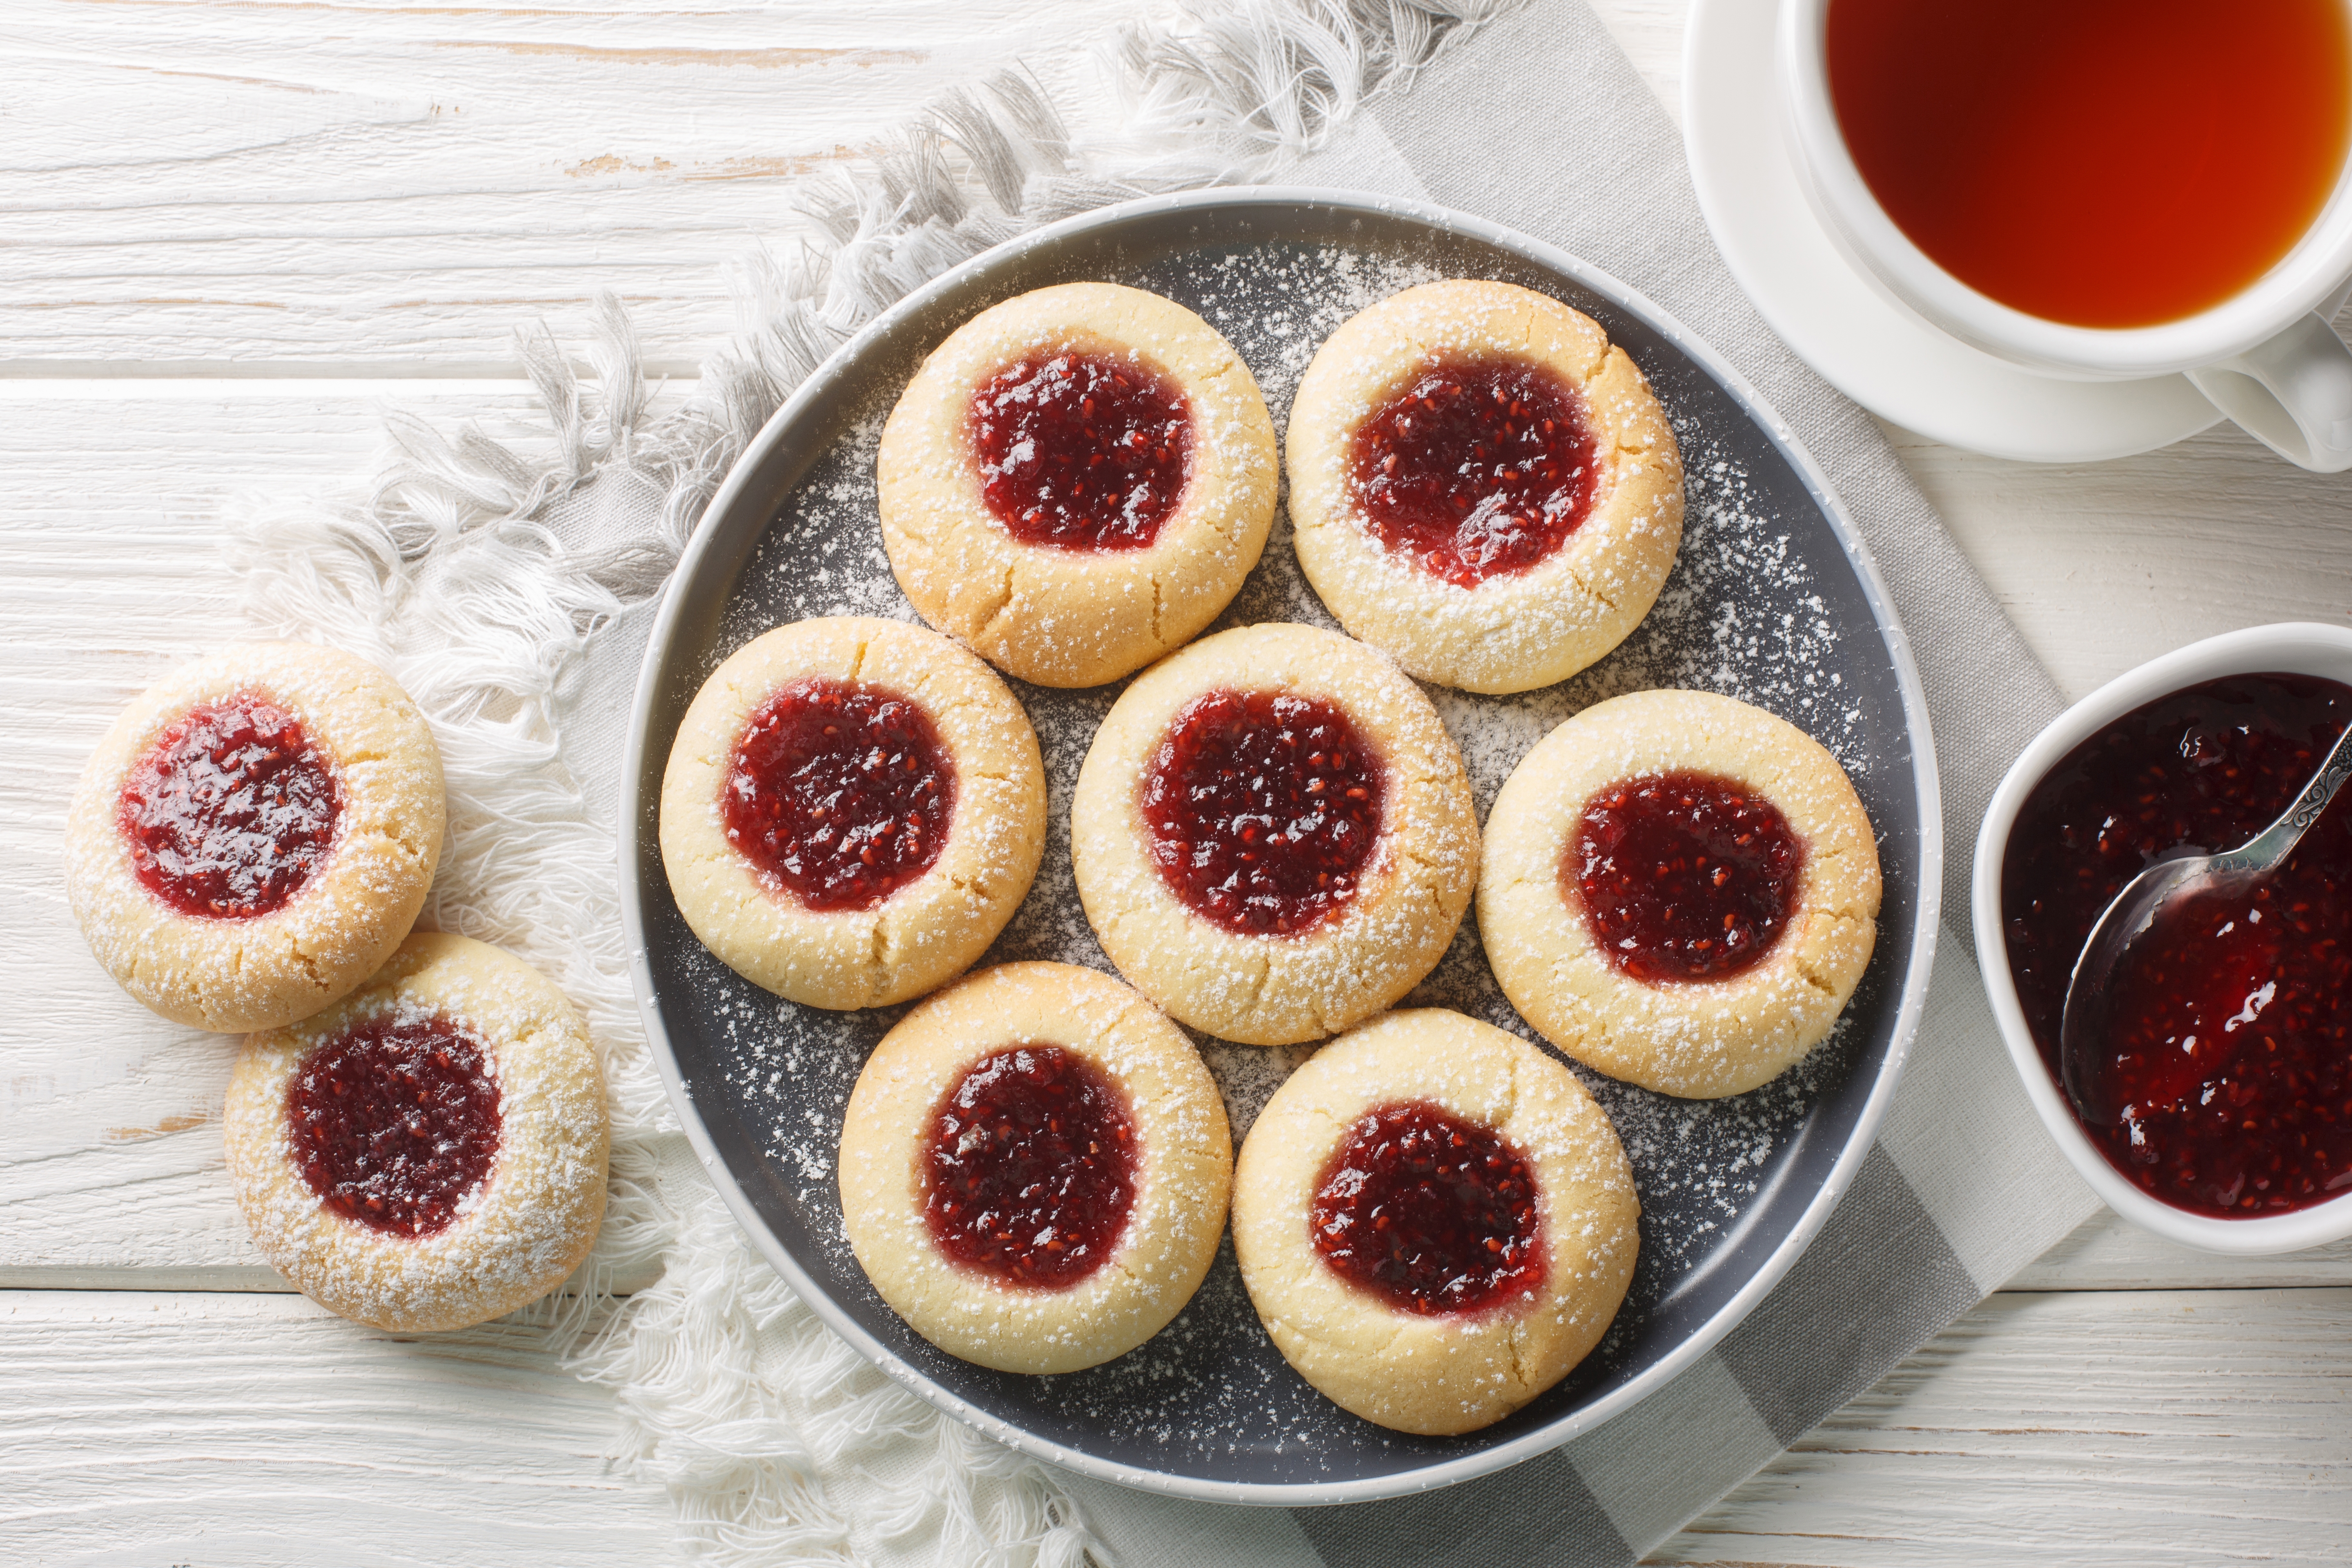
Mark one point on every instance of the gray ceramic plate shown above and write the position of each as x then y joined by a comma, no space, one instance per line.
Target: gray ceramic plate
1773,599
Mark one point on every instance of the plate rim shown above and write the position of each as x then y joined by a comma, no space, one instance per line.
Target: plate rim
1850,1159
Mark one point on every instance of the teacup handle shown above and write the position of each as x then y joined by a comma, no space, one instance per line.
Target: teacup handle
2292,394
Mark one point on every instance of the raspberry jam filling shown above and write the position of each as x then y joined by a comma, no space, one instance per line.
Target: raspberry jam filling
229,812
1029,1176
1263,809
395,1122
840,795
1478,469
2227,1069
1081,451
1683,877
1428,1212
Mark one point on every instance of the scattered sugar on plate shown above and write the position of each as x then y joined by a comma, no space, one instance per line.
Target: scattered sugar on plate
1741,614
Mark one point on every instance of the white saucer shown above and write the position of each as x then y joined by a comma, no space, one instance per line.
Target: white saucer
1863,343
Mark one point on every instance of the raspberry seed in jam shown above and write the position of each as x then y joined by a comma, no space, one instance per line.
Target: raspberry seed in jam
1477,470
228,814
1263,810
1081,451
1428,1212
1029,1174
1683,877
840,795
395,1122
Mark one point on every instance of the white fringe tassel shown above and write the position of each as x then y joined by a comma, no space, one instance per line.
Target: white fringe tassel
478,573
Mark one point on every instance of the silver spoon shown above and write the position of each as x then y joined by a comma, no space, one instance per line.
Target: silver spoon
2090,993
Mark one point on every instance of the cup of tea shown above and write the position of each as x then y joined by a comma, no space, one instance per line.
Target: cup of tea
2099,189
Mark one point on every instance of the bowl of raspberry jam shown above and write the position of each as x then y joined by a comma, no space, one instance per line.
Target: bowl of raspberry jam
2223,1116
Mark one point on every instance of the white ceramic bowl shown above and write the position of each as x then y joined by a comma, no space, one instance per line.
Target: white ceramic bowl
2295,648
2311,274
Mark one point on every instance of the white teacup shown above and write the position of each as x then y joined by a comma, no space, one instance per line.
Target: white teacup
2266,356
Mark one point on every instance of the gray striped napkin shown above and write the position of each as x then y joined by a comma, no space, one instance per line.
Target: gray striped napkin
1538,121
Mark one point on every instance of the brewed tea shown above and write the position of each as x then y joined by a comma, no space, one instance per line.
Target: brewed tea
2099,163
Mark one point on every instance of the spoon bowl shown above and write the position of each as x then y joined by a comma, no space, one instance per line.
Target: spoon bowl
2083,1031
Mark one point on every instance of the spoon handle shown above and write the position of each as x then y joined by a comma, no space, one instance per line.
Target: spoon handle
2272,845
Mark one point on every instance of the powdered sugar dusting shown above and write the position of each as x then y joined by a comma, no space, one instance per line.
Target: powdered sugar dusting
532,1219
1759,606
239,974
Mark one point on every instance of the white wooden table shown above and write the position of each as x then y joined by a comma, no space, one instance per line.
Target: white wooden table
237,229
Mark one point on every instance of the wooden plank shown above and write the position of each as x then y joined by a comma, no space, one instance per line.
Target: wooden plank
2078,1429
352,187
2104,566
2106,1253
1650,34
260,1430
224,188
2070,1431
109,1134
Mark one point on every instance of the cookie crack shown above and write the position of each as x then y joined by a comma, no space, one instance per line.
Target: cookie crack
1842,909
997,607
418,854
1797,964
1586,584
1257,985
1512,1346
878,946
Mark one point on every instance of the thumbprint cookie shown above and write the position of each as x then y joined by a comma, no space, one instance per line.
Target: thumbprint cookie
255,835
1680,890
1273,834
1482,486
1034,1168
1434,1222
852,810
429,1152
1077,483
